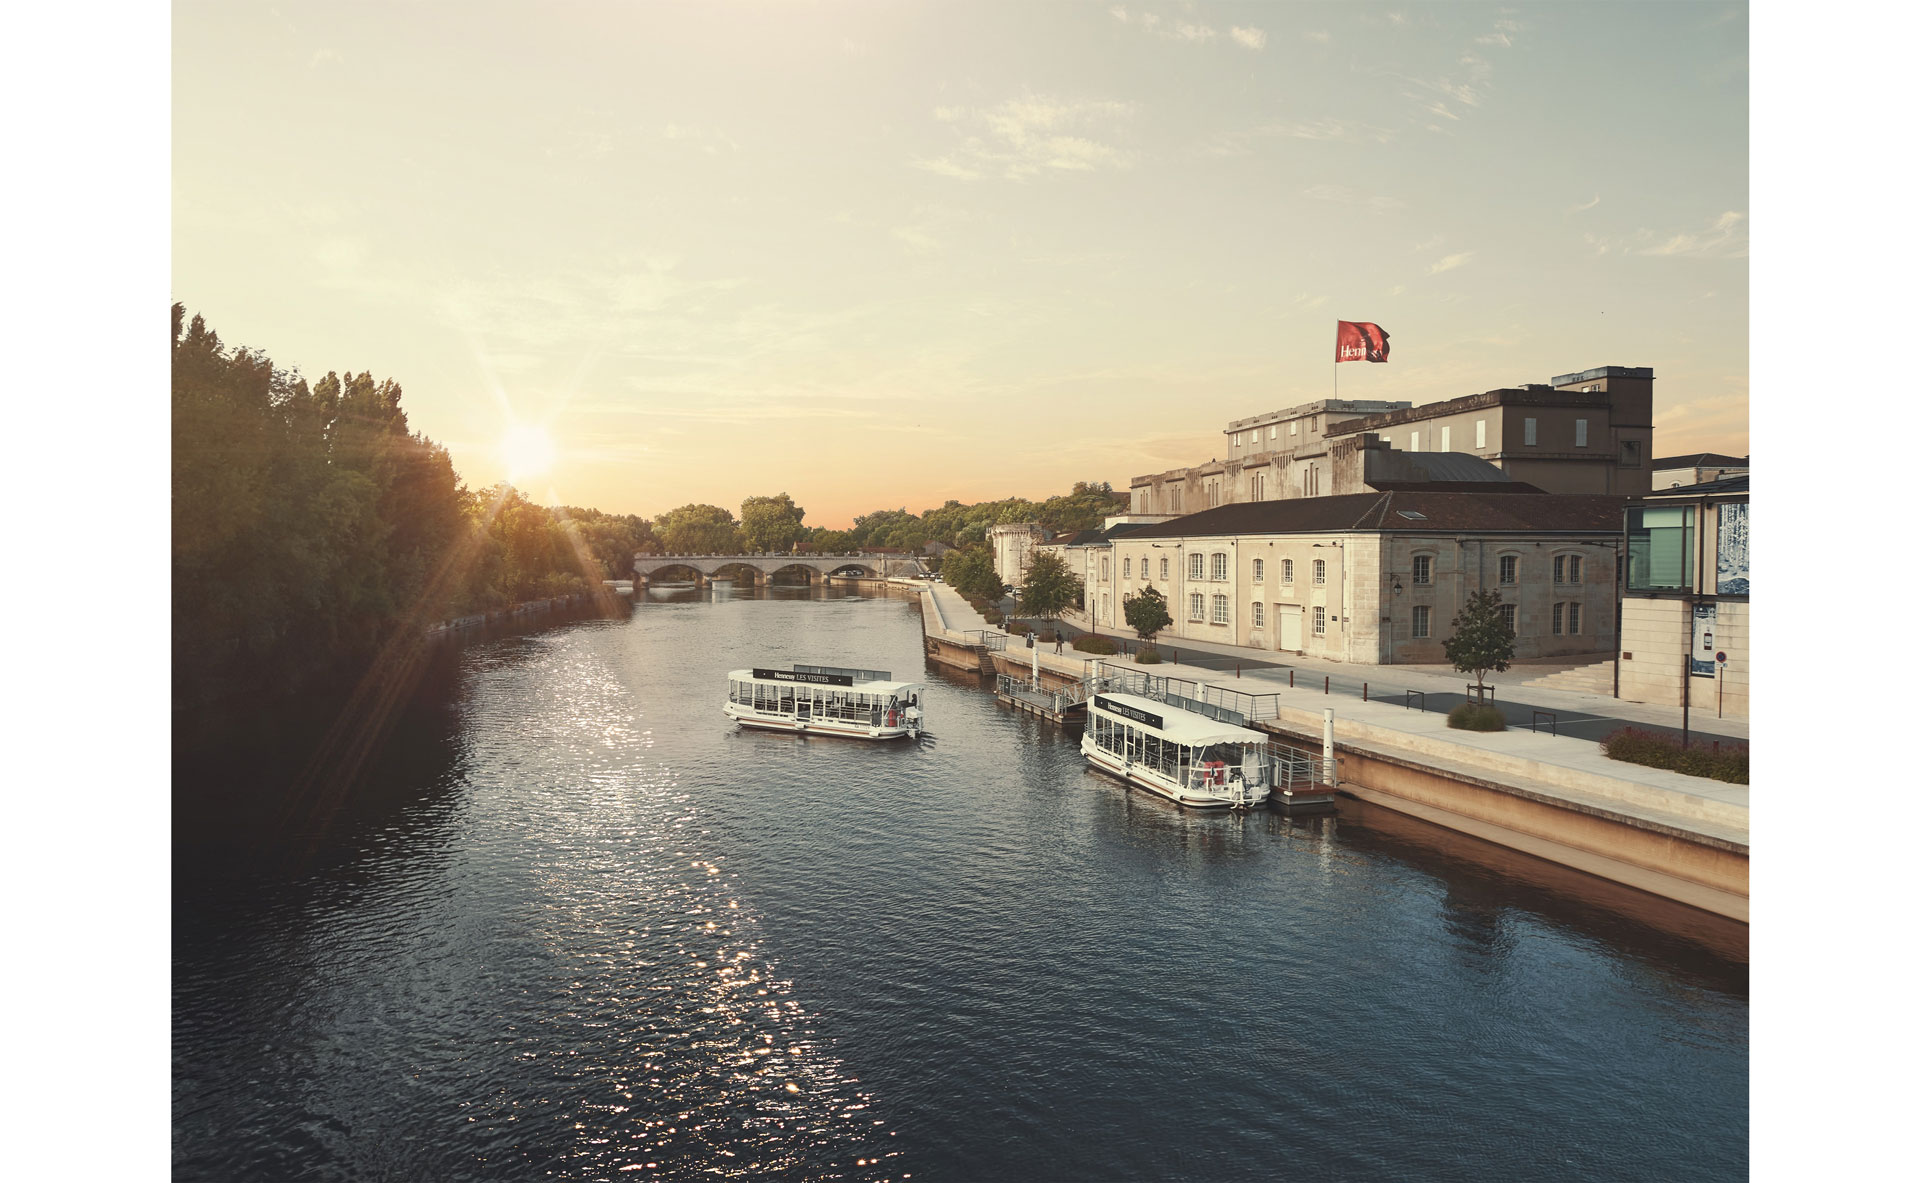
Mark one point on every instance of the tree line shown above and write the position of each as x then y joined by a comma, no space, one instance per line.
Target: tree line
311,524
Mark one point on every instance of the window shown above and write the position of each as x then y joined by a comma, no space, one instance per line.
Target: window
1286,570
1559,617
1293,428
1273,433
1579,433
1319,570
1415,445
1179,496
1566,568
1446,439
1126,568
1573,568
1629,453
1509,568
1219,609
1573,620
1196,566
1479,433
1422,621
1220,566
1256,482
1259,614
1509,616
1196,607
1532,431
1319,621
1163,567
1105,573
1259,570
1422,569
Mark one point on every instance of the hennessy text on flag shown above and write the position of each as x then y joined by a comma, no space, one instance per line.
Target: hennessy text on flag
1359,341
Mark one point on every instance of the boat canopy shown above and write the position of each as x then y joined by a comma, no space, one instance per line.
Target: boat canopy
1176,725
815,676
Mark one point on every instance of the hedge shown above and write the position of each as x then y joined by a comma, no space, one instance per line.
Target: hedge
1093,644
1631,745
1019,628
1470,716
1147,657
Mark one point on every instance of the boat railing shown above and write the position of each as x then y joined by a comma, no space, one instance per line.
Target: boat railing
1291,769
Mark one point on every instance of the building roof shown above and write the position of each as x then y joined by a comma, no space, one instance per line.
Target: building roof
1701,460
1446,486
1450,512
1726,484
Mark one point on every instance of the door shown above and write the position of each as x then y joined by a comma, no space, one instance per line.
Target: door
1289,627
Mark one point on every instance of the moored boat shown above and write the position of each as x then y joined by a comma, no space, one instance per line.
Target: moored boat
1185,757
826,700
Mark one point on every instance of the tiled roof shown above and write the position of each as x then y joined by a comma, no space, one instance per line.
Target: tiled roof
1480,513
1726,484
1702,460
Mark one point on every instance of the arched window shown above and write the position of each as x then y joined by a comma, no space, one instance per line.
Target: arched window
1196,607
1319,621
1422,569
1163,567
1509,569
1259,570
1286,570
1220,565
1319,571
1219,609
1126,568
1196,566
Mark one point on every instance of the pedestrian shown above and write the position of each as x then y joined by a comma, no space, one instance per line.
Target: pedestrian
1059,642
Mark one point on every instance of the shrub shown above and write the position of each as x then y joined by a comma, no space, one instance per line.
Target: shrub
1019,628
1147,657
1631,745
991,615
1049,635
1470,716
1093,644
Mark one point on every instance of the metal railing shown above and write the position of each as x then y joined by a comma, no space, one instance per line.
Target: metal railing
1421,695
1553,721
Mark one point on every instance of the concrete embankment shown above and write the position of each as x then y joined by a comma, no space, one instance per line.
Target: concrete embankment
1680,837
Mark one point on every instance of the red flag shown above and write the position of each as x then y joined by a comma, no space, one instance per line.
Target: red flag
1359,341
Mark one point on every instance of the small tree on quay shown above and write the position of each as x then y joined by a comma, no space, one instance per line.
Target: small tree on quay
1147,613
1049,587
1481,640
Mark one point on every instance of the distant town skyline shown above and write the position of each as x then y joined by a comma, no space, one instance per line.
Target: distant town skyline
891,255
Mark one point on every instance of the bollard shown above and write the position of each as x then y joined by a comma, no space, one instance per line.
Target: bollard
1363,692
1289,679
1236,669
1328,688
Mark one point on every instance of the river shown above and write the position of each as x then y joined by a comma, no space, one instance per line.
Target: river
565,921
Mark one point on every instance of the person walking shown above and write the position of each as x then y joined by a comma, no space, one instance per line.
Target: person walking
1059,642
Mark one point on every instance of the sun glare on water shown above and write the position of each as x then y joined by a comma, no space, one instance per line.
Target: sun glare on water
528,451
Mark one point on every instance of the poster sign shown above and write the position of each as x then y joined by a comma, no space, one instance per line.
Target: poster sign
1705,616
1731,577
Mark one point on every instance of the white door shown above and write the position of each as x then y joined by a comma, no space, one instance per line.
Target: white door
1289,627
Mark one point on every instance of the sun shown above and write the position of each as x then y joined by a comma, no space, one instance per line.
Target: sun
528,451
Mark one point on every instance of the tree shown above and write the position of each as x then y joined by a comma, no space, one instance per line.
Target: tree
698,530
1481,640
771,524
970,572
1147,613
1048,586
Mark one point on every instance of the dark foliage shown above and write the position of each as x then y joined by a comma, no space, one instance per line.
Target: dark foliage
1656,750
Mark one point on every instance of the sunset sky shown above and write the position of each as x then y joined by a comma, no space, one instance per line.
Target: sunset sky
883,255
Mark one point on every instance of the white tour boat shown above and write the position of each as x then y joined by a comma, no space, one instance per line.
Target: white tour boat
1183,756
826,700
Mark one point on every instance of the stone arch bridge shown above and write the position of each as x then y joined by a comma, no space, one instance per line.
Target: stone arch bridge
703,569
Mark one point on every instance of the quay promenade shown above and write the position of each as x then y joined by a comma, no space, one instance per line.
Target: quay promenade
1557,797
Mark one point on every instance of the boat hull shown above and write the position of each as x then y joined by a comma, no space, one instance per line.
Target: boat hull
1185,799
818,726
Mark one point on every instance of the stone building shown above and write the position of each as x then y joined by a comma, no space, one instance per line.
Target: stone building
1013,548
1373,578
1685,600
1585,432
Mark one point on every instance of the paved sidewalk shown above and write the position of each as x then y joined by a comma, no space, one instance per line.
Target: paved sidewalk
1584,716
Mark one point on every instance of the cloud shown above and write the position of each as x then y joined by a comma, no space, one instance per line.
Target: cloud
1342,195
1251,38
1398,289
1450,262
1720,238
1027,136
1175,30
1241,143
323,57
919,242
1585,206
